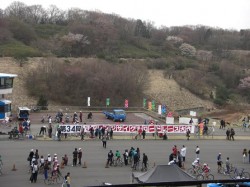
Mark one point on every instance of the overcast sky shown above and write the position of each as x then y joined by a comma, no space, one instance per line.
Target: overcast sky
226,14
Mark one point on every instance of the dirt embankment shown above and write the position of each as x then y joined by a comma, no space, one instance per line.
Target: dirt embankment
165,91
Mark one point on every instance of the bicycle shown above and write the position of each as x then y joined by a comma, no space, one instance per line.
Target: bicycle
236,174
223,169
195,170
118,162
203,176
53,180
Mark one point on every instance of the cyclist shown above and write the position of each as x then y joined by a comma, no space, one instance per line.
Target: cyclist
110,158
54,174
205,170
118,156
196,164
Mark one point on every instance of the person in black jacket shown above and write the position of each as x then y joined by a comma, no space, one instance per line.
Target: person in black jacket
75,153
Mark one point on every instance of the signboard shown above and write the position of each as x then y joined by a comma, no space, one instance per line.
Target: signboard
129,128
169,120
186,120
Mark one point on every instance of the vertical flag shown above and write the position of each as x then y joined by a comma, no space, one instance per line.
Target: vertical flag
107,102
159,110
164,109
126,103
88,101
144,103
149,105
153,105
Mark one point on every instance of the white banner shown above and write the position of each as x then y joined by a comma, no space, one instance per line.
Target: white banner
124,128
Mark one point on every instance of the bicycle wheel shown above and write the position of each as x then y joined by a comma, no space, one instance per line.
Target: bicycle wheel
121,163
47,181
200,177
190,171
245,175
115,163
210,177
59,179
233,175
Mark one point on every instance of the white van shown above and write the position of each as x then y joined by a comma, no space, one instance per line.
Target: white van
23,113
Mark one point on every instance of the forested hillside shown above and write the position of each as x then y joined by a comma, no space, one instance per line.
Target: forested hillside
212,63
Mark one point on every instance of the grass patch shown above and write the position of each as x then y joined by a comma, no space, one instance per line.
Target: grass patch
15,47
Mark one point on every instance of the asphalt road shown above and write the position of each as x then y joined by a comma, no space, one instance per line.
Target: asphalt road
16,152
94,155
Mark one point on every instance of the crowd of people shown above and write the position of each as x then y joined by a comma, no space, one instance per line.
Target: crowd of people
130,157
49,166
178,157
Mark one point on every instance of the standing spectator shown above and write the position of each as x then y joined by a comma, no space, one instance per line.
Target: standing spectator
34,171
174,151
111,133
191,121
125,156
183,153
75,153
65,160
104,141
36,154
249,154
244,155
219,162
227,166
49,159
143,134
50,130
140,133
197,151
46,169
145,161
228,134
68,179
80,116
50,120
82,133
188,134
31,154
232,133
179,159
80,156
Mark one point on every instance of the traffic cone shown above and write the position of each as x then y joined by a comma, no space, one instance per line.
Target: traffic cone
107,165
14,167
84,165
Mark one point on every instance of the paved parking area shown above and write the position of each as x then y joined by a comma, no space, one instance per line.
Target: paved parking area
94,155
16,152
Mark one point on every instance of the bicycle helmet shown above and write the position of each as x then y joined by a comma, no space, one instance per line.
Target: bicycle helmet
205,164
